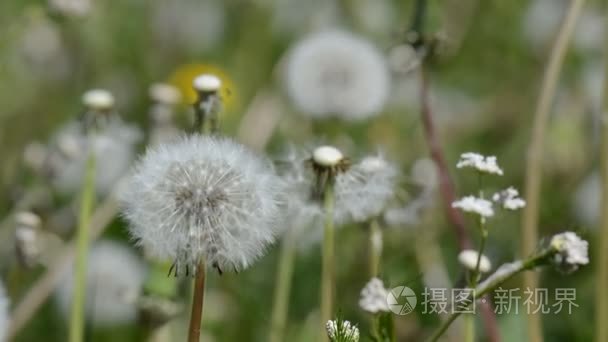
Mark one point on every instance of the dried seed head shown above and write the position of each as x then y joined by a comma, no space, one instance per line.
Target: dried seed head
207,83
204,198
115,276
327,156
98,99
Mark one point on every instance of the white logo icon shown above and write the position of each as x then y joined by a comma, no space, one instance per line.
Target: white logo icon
401,300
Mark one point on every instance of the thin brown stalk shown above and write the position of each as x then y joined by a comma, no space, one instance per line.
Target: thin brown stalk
448,194
194,330
601,329
529,234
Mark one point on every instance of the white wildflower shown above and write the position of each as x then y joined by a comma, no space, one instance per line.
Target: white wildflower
480,163
203,197
468,259
335,73
373,297
572,251
114,148
4,314
509,199
115,276
474,205
342,331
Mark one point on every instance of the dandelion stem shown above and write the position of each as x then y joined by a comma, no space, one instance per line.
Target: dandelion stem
283,286
601,332
82,246
375,247
502,274
533,177
196,315
327,275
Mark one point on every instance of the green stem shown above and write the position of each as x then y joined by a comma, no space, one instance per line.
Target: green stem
375,247
86,207
502,274
601,328
327,273
280,308
533,178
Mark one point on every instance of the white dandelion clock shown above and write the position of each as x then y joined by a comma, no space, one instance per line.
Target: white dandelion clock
114,147
572,251
374,297
334,73
114,280
4,318
204,198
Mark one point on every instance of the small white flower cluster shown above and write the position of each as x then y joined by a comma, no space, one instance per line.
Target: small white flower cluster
4,318
480,163
204,197
509,199
373,297
115,276
468,259
342,331
572,251
474,205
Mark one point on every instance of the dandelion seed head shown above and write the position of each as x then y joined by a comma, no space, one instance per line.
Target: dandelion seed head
572,251
98,99
165,93
114,147
480,163
327,156
204,197
334,73
115,276
207,83
468,259
474,205
373,297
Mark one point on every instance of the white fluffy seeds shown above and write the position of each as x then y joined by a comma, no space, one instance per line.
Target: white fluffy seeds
468,259
204,197
207,83
335,73
115,276
98,99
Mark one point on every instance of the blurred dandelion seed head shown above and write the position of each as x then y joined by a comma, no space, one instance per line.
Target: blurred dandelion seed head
98,99
164,93
204,197
335,73
183,78
207,83
115,276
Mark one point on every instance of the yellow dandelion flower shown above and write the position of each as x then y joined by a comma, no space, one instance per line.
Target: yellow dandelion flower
183,76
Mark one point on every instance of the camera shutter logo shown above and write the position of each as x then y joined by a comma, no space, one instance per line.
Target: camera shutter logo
401,300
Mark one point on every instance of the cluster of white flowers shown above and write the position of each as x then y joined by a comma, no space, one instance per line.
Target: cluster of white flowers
572,251
342,331
509,199
334,73
480,163
115,276
373,297
468,259
114,149
474,205
4,318
204,197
